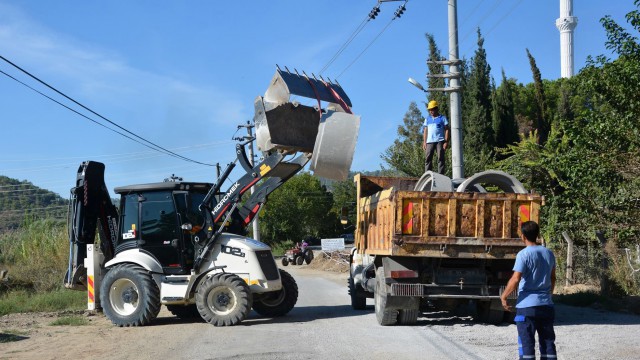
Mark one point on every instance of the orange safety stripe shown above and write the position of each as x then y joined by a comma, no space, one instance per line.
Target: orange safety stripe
524,214
407,218
90,290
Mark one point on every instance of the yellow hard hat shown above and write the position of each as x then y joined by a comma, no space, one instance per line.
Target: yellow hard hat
432,104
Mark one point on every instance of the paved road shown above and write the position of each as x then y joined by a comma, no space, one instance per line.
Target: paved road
321,326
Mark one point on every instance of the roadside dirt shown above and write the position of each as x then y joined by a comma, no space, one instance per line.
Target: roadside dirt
32,335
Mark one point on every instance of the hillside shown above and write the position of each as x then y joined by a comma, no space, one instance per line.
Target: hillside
21,200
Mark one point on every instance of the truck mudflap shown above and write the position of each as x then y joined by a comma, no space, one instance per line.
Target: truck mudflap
329,134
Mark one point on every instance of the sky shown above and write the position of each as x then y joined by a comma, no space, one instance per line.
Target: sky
185,74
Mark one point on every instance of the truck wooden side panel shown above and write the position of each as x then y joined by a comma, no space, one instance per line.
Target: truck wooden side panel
394,220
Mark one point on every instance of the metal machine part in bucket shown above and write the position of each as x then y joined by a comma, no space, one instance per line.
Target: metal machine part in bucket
335,145
285,126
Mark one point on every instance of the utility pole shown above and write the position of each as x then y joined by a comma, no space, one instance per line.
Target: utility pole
249,137
457,162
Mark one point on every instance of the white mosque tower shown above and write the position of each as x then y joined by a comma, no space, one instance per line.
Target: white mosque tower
565,24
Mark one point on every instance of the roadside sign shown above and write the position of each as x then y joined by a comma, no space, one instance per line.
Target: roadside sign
332,244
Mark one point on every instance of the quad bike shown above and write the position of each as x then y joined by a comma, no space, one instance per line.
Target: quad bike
297,256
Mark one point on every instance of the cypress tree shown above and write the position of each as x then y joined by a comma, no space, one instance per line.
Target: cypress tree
505,126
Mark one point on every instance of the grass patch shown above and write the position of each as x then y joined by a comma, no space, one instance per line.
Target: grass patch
21,301
70,321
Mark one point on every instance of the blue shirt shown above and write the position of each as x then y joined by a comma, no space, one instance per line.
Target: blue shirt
435,128
535,263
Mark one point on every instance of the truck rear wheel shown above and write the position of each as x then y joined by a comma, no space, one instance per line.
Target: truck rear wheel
487,313
223,299
383,315
358,296
129,296
278,303
408,316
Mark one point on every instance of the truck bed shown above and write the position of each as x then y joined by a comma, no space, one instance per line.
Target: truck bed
395,220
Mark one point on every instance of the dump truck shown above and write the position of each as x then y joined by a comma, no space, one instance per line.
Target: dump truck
183,244
437,244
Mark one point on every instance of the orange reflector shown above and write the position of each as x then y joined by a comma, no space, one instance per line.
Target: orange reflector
403,274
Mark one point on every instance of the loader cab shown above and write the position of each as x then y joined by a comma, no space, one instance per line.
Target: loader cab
164,220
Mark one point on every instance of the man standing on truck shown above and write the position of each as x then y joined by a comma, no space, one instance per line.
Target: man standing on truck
435,136
534,276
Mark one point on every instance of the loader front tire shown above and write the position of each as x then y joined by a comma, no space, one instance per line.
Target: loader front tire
129,296
278,303
223,299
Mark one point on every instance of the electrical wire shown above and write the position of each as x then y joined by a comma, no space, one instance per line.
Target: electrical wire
366,48
152,145
346,44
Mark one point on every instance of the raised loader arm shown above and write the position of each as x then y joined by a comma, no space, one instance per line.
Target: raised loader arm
90,207
326,137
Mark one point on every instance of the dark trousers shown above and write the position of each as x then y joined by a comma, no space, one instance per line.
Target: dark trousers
431,148
532,320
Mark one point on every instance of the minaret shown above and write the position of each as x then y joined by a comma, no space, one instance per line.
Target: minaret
566,23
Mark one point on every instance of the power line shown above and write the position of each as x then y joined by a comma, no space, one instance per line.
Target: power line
154,146
366,48
346,44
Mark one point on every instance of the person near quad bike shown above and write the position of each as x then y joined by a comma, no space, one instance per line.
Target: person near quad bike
298,255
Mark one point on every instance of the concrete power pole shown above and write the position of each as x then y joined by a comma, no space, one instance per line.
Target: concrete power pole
457,162
566,23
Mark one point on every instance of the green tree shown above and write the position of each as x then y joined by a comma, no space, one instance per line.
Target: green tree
436,82
542,123
406,154
301,206
478,135
505,126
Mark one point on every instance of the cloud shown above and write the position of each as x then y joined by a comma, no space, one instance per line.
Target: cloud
103,79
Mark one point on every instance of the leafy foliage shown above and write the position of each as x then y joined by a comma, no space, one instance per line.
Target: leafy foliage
406,153
300,207
477,122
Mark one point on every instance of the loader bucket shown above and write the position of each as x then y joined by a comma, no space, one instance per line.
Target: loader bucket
282,125
335,145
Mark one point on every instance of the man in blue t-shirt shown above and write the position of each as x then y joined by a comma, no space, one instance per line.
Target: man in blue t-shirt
534,276
435,136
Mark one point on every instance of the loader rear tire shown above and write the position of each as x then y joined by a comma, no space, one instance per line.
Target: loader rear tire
278,303
129,296
223,300
384,315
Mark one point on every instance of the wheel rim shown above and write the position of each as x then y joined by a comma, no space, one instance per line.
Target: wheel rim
124,297
221,300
